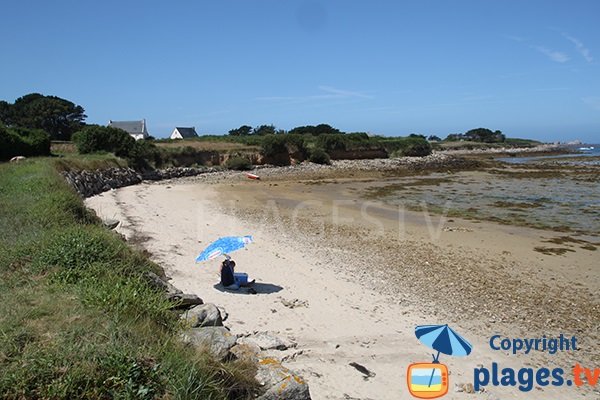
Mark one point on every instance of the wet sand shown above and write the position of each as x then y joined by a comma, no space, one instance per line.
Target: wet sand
348,279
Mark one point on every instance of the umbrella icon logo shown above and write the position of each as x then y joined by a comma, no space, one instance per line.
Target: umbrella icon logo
430,379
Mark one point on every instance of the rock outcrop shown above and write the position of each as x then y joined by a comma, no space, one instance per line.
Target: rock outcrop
276,381
281,383
179,299
216,339
203,315
266,341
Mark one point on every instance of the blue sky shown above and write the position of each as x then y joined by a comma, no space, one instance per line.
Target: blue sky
529,68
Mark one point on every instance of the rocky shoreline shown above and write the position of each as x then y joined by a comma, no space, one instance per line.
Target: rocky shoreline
89,183
204,329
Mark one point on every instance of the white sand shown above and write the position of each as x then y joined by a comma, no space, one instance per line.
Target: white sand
343,320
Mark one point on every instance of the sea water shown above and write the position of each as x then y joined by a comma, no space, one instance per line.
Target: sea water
548,199
582,157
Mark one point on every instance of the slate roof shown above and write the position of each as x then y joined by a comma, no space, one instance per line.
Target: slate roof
131,127
187,132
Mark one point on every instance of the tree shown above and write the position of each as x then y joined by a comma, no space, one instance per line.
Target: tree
485,135
321,129
417,135
60,118
243,130
264,130
434,138
302,130
325,129
5,110
455,137
500,137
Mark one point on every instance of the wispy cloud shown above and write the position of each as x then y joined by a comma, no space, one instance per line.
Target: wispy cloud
584,51
343,93
325,92
554,55
592,101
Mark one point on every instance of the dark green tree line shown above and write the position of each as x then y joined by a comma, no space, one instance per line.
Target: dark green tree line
58,117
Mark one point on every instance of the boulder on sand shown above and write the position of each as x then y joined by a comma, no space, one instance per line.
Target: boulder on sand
280,383
267,341
203,315
216,339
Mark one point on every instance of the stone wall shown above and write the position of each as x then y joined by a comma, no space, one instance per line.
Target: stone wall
90,183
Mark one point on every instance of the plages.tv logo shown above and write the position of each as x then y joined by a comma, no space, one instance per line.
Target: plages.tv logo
428,380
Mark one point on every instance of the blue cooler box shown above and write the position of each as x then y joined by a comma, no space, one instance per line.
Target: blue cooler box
241,277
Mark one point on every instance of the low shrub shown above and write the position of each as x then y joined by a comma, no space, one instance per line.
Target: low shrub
143,155
331,142
93,139
37,142
350,141
319,156
23,142
238,163
406,146
277,145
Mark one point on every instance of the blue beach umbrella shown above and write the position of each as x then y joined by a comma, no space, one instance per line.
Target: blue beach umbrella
443,339
223,246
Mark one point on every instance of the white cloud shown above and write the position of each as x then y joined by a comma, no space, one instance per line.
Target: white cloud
554,55
343,93
584,51
326,92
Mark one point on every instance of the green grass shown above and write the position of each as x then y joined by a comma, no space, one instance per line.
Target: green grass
77,317
75,161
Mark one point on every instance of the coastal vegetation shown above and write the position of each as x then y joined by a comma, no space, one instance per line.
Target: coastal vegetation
319,156
58,117
78,319
478,135
20,141
29,124
238,163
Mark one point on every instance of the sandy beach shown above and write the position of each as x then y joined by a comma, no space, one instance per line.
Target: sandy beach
347,279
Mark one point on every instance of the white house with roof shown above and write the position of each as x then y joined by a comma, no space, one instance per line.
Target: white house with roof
137,129
184,133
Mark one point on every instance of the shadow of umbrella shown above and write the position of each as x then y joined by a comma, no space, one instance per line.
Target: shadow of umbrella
259,288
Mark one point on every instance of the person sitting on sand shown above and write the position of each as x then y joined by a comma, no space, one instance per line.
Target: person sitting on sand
228,278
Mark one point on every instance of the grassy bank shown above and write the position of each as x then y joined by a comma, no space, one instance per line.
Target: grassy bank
77,317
